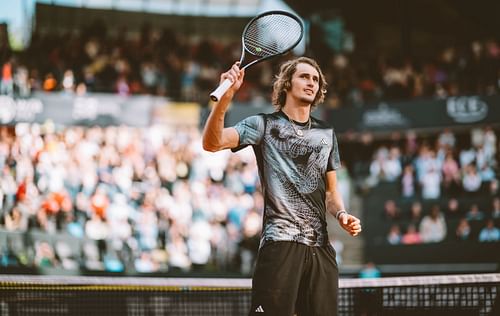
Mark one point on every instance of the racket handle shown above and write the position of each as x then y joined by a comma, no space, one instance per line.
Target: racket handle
221,89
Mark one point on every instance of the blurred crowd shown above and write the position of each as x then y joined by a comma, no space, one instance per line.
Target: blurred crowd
148,200
162,62
448,186
450,220
152,200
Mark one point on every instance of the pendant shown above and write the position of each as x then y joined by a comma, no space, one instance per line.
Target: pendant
300,133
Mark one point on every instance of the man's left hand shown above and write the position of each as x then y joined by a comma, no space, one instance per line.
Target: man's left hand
350,223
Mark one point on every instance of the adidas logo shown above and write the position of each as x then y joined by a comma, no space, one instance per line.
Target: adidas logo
324,142
259,309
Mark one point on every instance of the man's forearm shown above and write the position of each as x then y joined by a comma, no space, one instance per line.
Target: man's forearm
212,134
334,202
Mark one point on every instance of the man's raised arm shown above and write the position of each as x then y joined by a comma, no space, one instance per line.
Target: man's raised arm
215,136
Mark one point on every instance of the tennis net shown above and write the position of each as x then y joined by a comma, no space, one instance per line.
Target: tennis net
470,294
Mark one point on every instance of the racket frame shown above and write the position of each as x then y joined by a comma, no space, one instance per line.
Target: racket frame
226,84
259,59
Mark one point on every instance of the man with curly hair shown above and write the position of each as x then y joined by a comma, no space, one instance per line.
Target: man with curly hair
297,155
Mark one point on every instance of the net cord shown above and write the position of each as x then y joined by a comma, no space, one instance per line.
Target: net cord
241,282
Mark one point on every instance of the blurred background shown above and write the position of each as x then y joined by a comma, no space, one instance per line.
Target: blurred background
102,105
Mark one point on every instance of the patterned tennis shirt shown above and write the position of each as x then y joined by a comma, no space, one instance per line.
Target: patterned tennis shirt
292,172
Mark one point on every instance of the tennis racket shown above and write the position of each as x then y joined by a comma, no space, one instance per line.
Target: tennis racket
267,35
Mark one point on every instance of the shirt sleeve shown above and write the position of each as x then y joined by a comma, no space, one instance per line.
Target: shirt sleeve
251,131
334,159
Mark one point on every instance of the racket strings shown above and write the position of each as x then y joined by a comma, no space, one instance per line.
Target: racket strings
273,38
271,35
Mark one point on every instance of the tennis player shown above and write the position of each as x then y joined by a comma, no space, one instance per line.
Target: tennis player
297,155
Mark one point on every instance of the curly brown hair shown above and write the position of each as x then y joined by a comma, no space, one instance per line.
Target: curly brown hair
283,82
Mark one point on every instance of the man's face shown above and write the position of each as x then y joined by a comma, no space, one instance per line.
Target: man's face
305,84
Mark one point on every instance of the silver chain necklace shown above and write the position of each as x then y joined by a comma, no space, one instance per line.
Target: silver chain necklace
299,132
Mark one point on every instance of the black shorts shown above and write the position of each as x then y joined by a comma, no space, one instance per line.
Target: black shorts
295,279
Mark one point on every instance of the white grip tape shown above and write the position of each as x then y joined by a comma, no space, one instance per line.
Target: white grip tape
221,89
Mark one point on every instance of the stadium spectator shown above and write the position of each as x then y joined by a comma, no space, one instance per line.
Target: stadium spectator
98,230
431,184
495,212
471,180
7,82
453,208
386,165
412,236
490,142
392,210
392,166
447,139
474,213
145,263
408,185
416,213
370,270
489,233
493,189
451,175
394,236
112,262
44,255
463,230
425,161
178,258
9,257
15,221
433,226
198,244
467,156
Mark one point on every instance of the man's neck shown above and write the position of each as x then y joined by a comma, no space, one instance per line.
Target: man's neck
297,113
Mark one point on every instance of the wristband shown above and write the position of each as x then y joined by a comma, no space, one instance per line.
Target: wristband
340,212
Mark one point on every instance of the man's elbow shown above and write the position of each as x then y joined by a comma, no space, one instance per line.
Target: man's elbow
210,147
